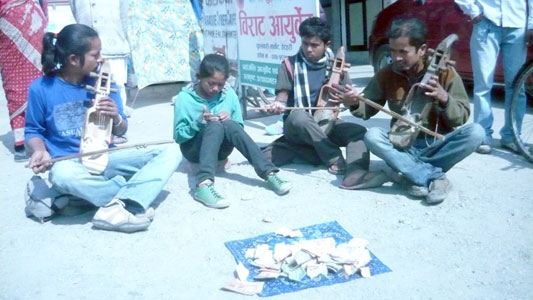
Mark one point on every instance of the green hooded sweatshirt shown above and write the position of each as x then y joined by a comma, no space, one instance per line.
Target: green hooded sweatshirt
188,108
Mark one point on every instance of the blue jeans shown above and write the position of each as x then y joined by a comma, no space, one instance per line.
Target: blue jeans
486,42
136,175
421,164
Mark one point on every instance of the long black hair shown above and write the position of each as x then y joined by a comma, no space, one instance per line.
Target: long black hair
72,39
212,63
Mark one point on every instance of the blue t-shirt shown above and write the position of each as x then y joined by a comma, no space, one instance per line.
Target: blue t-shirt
56,113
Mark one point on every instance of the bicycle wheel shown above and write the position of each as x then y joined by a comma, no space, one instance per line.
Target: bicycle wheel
266,98
523,132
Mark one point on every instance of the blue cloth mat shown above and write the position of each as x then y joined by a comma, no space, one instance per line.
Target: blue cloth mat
284,285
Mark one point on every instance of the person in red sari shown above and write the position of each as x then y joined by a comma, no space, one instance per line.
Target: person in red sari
22,26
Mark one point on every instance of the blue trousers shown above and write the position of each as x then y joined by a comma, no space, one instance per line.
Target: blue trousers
136,175
421,164
486,42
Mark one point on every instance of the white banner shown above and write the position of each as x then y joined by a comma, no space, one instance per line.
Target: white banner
219,25
267,33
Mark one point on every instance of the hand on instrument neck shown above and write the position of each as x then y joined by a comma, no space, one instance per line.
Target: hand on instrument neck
436,91
346,94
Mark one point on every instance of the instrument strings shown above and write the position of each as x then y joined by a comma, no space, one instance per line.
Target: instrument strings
102,87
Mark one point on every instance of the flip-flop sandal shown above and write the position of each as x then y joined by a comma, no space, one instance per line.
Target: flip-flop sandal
377,180
338,168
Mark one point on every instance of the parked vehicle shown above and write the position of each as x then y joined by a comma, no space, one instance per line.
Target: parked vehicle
442,17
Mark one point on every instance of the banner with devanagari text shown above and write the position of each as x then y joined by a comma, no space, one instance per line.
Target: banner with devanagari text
219,25
267,32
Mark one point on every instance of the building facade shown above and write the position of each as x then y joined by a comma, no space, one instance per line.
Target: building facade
351,23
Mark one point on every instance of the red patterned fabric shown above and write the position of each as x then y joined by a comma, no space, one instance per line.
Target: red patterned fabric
22,25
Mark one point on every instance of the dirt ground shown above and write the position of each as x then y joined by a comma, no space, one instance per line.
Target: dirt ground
475,245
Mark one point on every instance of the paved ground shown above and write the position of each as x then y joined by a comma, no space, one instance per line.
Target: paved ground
476,245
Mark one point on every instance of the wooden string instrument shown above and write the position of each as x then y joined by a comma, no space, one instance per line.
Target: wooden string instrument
402,133
438,60
401,118
326,117
96,134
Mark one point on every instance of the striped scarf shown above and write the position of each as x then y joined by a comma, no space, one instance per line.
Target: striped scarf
301,84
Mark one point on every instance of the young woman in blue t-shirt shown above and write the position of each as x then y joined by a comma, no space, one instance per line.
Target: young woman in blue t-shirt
57,104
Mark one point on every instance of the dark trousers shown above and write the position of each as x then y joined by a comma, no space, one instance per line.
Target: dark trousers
216,142
304,139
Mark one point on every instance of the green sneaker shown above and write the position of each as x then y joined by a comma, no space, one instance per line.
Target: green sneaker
209,197
278,185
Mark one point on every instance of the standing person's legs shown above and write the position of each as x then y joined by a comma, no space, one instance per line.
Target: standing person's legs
514,52
301,128
18,64
484,49
119,69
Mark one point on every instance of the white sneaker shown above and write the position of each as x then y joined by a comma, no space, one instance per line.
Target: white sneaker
115,217
149,213
484,149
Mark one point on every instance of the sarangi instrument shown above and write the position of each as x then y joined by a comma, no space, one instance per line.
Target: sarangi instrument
403,134
326,117
96,134
405,130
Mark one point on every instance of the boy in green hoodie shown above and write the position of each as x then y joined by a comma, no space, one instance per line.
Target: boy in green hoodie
208,124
